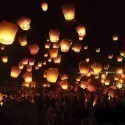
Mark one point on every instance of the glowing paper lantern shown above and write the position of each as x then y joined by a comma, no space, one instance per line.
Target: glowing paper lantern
46,55
63,76
56,45
22,41
44,6
34,48
64,85
24,23
45,85
31,61
77,47
97,68
44,63
7,32
85,47
83,84
25,61
107,82
110,56
106,67
29,68
5,59
54,35
122,53
47,45
65,45
116,77
57,59
36,67
98,50
115,37
20,65
81,31
83,67
26,84
87,59
52,75
33,84
49,59
119,85
53,52
40,64
119,58
27,77
15,71
68,11
119,71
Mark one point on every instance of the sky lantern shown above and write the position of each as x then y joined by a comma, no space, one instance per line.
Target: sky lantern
85,47
103,75
65,45
115,37
87,59
102,80
83,67
97,68
56,45
107,82
122,53
5,59
63,76
49,59
20,65
121,80
54,35
97,50
46,54
36,67
29,68
53,52
31,61
44,6
116,77
34,48
81,30
119,71
45,85
83,84
57,59
15,71
26,84
40,64
2,47
77,47
106,66
52,74
33,84
25,61
119,85
68,11
64,85
92,86
47,45
22,40
27,77
24,23
110,56
8,32
44,63
119,58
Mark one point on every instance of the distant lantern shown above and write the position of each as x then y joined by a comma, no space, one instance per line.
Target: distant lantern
121,80
49,59
115,37
31,61
97,50
44,6
116,77
44,63
106,67
52,75
83,67
34,48
97,68
46,54
45,85
40,64
119,71
64,85
68,11
20,65
119,58
29,68
77,47
22,40
81,30
122,53
8,32
63,76
102,80
110,56
87,59
24,23
54,35
83,84
119,85
107,81
25,61
5,59
57,59
85,47
26,84
103,76
1,47
56,45
36,67
33,84
27,77
47,45
53,52
65,45
15,71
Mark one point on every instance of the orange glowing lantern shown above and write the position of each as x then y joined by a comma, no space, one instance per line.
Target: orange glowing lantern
26,84
40,64
64,85
110,56
77,47
15,71
63,77
115,37
27,77
34,48
22,41
31,61
47,45
87,59
107,82
68,11
53,52
97,50
81,30
49,59
54,35
83,84
5,59
36,67
24,23
45,85
25,61
119,58
29,68
57,60
119,71
52,75
56,45
44,6
7,32
33,84
20,65
97,68
85,47
83,67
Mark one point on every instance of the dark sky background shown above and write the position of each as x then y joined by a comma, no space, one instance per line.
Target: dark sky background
102,19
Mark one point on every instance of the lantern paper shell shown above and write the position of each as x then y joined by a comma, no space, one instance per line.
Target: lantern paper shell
64,85
33,84
29,68
119,58
47,45
97,68
83,67
56,45
63,76
57,60
22,40
5,59
65,45
34,48
36,67
115,37
119,71
107,82
44,6
53,52
83,84
15,72
110,56
68,11
52,75
54,35
20,65
97,50
81,31
31,61
77,47
27,77
24,23
25,61
26,84
7,32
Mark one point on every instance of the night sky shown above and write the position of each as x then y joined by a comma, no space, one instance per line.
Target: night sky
102,19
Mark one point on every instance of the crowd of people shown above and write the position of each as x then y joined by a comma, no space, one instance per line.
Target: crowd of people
65,107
